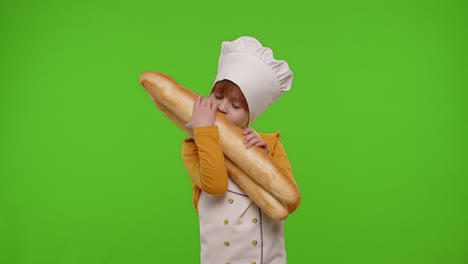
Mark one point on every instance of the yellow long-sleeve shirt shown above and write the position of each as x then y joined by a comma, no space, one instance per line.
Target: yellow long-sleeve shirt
204,160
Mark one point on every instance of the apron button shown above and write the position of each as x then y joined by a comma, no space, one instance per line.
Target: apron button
254,220
226,221
226,244
254,242
230,200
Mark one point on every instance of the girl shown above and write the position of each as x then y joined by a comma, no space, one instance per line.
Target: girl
232,228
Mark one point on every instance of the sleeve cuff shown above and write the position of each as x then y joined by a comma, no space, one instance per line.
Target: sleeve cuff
204,131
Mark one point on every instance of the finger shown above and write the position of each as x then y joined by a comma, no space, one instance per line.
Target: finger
202,101
214,106
252,142
195,104
247,131
249,137
261,144
197,101
207,102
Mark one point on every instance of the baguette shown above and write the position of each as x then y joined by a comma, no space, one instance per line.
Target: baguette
263,199
252,169
269,204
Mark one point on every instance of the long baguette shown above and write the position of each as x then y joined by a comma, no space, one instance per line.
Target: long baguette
269,204
177,103
264,200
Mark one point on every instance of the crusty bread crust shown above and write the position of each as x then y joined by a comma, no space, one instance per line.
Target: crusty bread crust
252,169
269,204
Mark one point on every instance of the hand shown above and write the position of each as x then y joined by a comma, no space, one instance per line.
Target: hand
252,139
203,113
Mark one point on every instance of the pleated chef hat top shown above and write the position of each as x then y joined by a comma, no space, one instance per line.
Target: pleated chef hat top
261,78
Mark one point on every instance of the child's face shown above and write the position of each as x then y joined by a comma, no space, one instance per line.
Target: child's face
233,110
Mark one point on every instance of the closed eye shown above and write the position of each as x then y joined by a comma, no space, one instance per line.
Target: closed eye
236,106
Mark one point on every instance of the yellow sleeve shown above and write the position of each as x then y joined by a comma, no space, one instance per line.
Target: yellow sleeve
204,160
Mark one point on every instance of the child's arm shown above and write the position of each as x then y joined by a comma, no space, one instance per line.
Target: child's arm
204,160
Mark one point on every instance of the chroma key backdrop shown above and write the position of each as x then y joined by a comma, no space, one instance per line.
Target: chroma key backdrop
375,127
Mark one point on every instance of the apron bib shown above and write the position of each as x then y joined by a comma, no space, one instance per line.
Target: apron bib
234,230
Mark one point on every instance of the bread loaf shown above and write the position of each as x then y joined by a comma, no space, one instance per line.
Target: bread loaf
252,169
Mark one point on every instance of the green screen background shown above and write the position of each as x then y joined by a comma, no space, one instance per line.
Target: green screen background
375,127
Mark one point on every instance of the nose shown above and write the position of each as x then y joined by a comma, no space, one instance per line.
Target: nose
222,107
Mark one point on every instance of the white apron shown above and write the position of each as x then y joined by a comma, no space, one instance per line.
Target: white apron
234,230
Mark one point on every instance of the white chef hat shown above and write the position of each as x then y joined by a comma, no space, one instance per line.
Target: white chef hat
261,78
